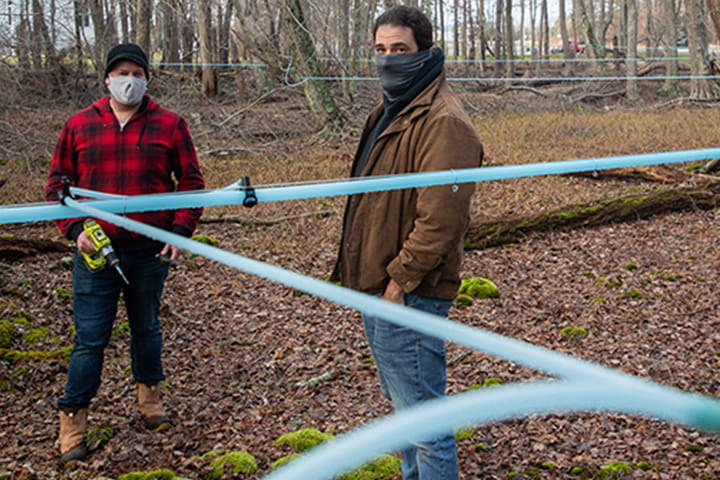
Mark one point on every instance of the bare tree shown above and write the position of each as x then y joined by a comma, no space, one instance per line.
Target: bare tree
700,86
208,76
509,49
329,117
143,23
671,86
568,52
632,92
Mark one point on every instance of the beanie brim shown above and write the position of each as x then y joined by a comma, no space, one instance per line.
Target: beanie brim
129,52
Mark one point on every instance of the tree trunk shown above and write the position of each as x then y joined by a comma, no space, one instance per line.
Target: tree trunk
97,13
671,86
632,92
321,102
498,36
569,53
596,49
171,46
456,29
545,29
208,74
700,88
143,20
509,42
345,54
714,11
481,34
225,20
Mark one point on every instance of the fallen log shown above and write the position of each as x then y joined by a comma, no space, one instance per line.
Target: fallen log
623,209
12,248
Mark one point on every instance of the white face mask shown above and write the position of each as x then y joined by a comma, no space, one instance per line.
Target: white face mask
127,89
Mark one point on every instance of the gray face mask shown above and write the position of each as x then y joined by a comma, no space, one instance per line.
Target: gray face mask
127,89
398,71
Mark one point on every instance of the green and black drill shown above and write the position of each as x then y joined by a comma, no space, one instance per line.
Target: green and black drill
105,253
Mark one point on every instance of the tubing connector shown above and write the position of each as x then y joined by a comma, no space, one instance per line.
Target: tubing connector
250,199
65,191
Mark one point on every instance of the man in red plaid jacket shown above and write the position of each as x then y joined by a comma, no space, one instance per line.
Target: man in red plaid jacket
125,144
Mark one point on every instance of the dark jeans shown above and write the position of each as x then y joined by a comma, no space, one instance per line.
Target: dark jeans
95,301
411,369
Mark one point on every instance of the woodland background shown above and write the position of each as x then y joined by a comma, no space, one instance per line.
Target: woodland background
249,360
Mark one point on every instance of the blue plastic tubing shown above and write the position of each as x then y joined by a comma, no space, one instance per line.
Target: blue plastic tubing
586,386
50,211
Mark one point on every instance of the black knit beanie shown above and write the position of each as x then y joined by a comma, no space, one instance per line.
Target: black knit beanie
127,51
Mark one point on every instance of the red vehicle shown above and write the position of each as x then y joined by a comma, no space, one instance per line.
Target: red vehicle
579,47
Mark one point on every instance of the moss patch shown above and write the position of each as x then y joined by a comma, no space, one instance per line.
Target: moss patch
237,462
162,474
479,287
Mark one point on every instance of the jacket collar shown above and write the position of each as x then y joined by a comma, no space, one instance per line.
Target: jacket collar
102,107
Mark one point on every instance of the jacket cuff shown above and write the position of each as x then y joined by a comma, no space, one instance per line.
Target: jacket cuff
182,231
74,230
402,277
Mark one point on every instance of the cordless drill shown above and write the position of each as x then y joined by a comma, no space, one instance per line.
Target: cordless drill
105,253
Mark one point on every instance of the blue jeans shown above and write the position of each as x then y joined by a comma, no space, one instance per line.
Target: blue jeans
411,369
95,301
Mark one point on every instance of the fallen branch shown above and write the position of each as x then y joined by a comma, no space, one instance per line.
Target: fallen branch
16,248
624,209
256,221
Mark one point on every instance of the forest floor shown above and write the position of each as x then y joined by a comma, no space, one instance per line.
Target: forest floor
249,360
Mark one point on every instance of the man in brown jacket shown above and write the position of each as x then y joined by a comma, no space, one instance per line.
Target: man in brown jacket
406,245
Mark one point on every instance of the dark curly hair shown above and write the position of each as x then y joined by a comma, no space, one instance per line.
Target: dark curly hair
411,17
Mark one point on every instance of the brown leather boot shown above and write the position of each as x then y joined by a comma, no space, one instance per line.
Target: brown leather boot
73,426
151,408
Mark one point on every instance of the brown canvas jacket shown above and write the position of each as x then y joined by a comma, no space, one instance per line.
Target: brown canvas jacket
414,236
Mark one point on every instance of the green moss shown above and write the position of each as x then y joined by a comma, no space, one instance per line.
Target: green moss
630,266
612,469
6,334
385,466
546,465
282,461
99,435
123,329
647,467
580,471
589,274
479,287
205,239
303,440
692,168
671,277
599,300
480,447
22,319
15,356
634,293
237,462
463,301
464,434
64,293
695,448
36,336
5,384
367,361
608,282
162,474
492,382
576,333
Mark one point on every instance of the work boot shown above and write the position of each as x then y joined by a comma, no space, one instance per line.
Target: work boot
151,408
73,426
